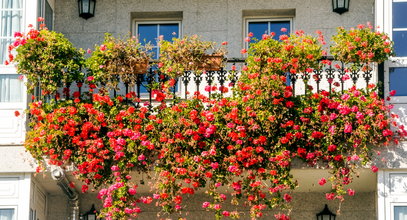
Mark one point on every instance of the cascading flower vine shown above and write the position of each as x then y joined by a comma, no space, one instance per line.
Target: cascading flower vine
245,142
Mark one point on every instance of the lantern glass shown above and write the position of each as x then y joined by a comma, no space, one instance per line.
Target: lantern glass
92,7
340,6
86,8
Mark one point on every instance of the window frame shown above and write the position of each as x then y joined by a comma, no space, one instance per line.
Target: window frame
23,25
28,17
11,69
247,20
384,19
42,12
136,22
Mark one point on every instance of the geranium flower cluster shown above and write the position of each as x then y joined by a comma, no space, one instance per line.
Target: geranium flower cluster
361,45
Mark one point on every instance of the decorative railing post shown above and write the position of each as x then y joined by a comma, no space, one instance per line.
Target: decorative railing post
209,77
367,75
318,77
305,77
330,76
222,79
198,80
354,75
341,76
185,79
293,80
150,80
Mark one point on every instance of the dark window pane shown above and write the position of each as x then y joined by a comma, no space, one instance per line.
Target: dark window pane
399,15
400,46
277,26
168,31
148,33
258,29
398,79
49,16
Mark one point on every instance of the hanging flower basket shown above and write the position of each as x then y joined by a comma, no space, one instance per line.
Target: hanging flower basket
211,62
118,59
140,67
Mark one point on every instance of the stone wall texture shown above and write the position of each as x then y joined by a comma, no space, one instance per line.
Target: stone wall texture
305,207
215,20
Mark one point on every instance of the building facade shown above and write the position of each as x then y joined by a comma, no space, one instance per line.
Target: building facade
26,195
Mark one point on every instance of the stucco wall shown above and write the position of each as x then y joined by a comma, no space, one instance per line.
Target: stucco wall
16,159
306,206
216,20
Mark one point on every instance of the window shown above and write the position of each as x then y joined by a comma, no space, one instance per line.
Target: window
11,88
11,21
261,26
7,214
397,29
149,32
44,10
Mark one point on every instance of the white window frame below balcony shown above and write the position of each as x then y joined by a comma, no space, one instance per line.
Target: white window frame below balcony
386,199
20,198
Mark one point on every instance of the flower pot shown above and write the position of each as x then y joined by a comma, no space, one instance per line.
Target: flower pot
140,67
211,62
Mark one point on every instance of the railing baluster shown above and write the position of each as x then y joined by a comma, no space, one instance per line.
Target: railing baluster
140,79
209,80
127,91
150,80
354,76
174,89
293,79
305,77
185,79
317,77
342,74
198,80
221,79
330,76
367,75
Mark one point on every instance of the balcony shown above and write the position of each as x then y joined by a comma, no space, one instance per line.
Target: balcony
333,76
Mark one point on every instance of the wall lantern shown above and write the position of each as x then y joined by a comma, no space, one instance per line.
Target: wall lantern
91,214
326,214
340,6
86,8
